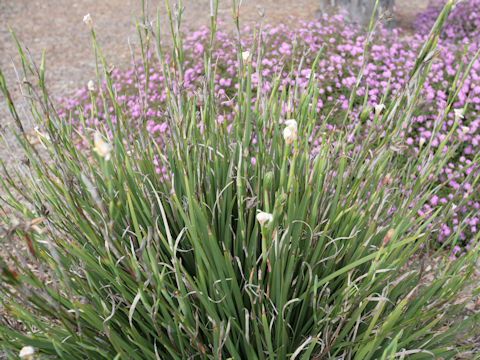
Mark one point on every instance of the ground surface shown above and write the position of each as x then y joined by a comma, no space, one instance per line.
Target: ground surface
56,25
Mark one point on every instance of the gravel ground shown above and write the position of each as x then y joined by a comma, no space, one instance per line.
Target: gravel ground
56,25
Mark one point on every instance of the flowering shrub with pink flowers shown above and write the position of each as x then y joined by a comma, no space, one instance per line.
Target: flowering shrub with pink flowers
463,23
288,54
243,198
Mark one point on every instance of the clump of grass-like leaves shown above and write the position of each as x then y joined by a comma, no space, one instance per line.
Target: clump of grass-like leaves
248,247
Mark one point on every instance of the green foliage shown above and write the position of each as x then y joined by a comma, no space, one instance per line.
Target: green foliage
124,264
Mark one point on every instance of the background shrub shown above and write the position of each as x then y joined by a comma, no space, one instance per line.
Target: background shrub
289,54
463,23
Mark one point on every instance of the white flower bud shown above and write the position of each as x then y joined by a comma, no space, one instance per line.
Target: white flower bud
289,107
219,122
264,217
465,129
245,55
27,353
91,85
290,131
379,108
102,148
87,19
422,141
40,134
43,138
458,113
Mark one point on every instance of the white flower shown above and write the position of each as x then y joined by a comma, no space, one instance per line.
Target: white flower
42,137
245,55
422,141
458,113
290,131
291,123
264,217
219,121
102,148
91,85
27,352
40,134
87,19
379,108
465,129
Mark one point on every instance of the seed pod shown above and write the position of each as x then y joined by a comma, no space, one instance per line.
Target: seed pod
387,180
259,121
282,198
365,112
388,237
268,180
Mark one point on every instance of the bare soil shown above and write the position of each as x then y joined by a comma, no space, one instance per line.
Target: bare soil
57,27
